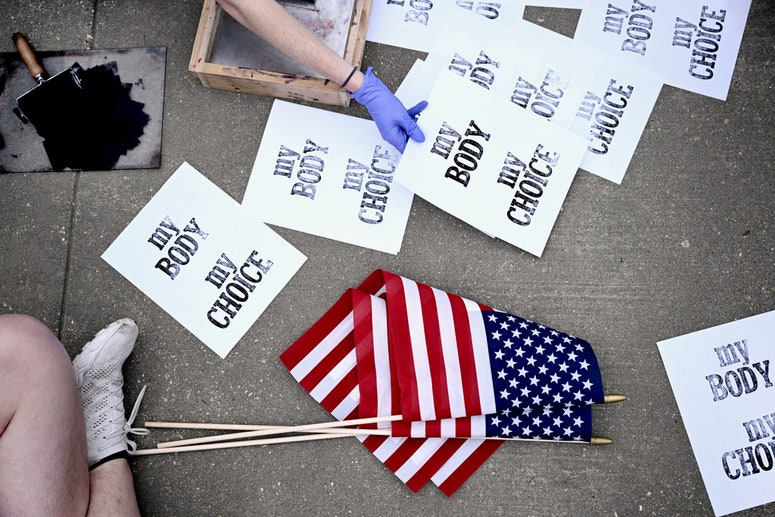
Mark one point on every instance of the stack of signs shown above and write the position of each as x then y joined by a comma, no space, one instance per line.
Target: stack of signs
725,390
555,81
597,114
415,24
692,44
194,251
331,176
514,110
502,174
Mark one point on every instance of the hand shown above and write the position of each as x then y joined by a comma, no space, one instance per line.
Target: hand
395,123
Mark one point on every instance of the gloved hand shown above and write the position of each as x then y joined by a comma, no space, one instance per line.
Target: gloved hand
395,123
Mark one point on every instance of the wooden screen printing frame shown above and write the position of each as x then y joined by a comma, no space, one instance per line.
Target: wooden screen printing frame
276,84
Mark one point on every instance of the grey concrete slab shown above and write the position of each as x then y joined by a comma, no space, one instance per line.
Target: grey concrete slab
34,241
36,209
684,243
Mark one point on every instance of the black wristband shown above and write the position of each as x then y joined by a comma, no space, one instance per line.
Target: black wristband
355,68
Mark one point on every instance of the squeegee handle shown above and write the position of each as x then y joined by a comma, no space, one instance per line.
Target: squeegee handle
28,57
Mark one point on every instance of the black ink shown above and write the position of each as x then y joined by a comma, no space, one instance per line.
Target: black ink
89,121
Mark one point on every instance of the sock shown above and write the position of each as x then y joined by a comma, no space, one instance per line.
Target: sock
115,456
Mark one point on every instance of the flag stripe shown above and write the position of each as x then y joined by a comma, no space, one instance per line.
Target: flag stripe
381,352
481,360
474,426
376,282
451,344
468,375
332,363
419,379
344,397
433,346
303,353
433,428
425,471
468,459
412,467
373,367
405,457
364,346
401,350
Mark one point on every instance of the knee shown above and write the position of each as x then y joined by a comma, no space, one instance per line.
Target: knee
19,328
26,343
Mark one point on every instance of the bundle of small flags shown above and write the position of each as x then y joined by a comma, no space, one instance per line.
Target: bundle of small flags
452,379
430,382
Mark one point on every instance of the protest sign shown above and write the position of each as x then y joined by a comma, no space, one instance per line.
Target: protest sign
553,78
415,24
693,44
196,253
613,113
331,176
723,384
526,64
490,165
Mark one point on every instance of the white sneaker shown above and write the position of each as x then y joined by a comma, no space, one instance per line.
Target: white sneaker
99,378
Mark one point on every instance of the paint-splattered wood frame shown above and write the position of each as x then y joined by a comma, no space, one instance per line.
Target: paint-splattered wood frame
261,82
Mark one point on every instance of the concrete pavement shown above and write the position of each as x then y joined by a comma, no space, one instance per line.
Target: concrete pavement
687,241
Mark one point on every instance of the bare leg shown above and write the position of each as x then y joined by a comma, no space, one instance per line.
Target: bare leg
42,440
106,499
42,433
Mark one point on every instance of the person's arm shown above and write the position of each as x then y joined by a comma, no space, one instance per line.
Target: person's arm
272,23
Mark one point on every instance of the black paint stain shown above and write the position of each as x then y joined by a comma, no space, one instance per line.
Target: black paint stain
87,118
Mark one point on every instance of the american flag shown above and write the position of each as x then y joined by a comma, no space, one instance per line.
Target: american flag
544,381
453,370
457,358
324,361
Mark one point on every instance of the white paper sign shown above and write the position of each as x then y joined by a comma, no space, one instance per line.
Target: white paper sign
613,113
526,64
723,379
328,174
195,252
499,170
552,78
693,44
414,24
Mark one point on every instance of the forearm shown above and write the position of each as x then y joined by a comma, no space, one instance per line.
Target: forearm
272,23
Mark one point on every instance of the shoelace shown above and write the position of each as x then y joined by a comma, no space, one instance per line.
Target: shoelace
137,431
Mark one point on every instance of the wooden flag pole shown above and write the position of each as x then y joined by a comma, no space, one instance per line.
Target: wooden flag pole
248,427
182,444
332,427
266,430
342,431
311,437
228,445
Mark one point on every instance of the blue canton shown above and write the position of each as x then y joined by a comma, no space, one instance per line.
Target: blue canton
544,380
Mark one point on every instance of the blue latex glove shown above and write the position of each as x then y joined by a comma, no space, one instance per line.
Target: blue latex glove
395,123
